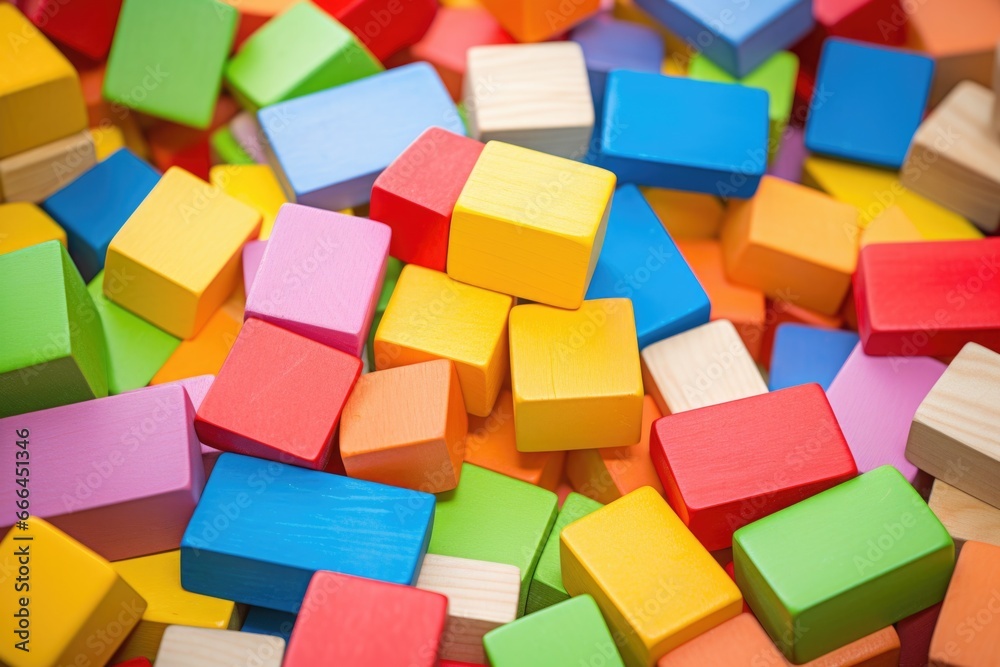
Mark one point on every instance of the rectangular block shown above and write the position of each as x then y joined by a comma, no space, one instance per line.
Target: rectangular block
738,641
184,646
41,171
255,185
961,639
803,354
609,44
538,20
23,224
967,518
205,353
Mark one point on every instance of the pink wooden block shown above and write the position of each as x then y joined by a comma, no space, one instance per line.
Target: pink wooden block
253,252
321,276
248,135
197,388
120,474
874,399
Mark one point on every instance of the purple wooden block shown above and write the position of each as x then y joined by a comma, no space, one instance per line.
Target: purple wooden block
248,135
197,387
611,44
874,399
321,276
122,474
787,164
253,252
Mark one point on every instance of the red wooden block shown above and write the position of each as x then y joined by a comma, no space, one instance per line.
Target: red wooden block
278,396
134,662
915,634
84,25
455,663
928,299
727,465
352,622
416,194
385,26
174,145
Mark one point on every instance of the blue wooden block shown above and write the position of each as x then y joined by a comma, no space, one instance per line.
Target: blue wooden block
263,528
804,354
611,44
683,134
94,207
868,102
738,35
327,148
264,621
640,261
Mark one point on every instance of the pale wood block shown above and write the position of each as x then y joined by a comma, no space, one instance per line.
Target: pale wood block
996,92
199,647
37,173
966,518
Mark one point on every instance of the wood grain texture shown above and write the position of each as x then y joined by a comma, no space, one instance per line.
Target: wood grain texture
201,647
738,641
965,517
533,21
35,174
254,185
961,637
23,224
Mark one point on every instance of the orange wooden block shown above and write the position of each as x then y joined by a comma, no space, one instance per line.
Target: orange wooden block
738,641
203,354
406,426
608,474
966,634
781,312
538,20
492,444
686,215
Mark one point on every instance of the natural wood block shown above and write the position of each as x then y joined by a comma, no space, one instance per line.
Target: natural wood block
609,44
575,376
255,185
686,215
205,353
181,250
915,633
23,224
41,171
202,647
420,323
481,596
738,641
803,354
996,93
963,637
86,27
384,26
538,20
955,430
72,599
966,518
704,366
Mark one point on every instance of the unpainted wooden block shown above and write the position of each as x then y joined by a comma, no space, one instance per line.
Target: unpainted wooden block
41,171
967,518
184,646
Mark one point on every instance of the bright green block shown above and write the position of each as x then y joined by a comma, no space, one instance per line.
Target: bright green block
302,50
135,348
569,634
392,270
226,149
167,58
843,564
495,518
546,584
51,343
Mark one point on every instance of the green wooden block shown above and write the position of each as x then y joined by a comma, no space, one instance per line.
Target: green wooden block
493,517
225,148
135,348
843,564
546,584
569,634
51,342
392,270
302,50
167,58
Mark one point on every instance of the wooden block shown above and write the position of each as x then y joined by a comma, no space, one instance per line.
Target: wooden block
23,224
575,376
416,194
890,226
955,155
609,44
661,148
996,93
425,311
538,20
791,155
388,622
320,165
966,518
880,22
71,599
135,662
481,596
276,536
962,637
41,96
253,253
253,15
385,27
249,136
86,27
264,621
915,634
782,311
201,647
175,145
804,354
225,150
870,564
205,353
393,267
197,388
928,298
738,641
470,523
107,140
53,351
39,172
686,215
254,185
705,366
181,248
640,261
954,435
879,649
687,605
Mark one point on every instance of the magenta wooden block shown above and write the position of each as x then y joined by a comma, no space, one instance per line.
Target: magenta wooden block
253,252
197,388
875,399
791,155
122,474
321,276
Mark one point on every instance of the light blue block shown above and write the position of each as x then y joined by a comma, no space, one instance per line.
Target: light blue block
264,621
328,148
610,44
640,261
262,529
804,354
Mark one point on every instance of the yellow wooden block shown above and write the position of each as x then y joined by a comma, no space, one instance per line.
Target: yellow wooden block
107,140
23,224
792,243
892,226
39,172
872,190
40,95
430,316
575,376
686,215
662,590
62,600
254,185
530,225
177,258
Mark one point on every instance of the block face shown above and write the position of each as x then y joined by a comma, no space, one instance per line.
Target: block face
967,518
254,185
23,224
803,354
37,173
200,647
298,522
776,75
972,589
539,20
610,44
549,220
740,640
408,25
870,563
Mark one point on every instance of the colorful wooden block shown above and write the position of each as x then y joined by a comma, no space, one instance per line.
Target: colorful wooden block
871,563
879,649
538,20
791,154
254,185
249,136
264,621
890,226
781,310
328,148
225,150
686,215
549,220
644,599
609,44
804,354
253,253
738,641
915,634
874,21
203,354
470,523
177,258
197,388
175,145
575,376
24,224
393,267
71,598
39,172
184,646
264,528
135,662
385,27
963,636
87,26
107,140
967,518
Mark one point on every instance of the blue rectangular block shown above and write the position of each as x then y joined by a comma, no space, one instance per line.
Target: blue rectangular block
328,148
611,44
804,354
263,528
264,621
640,261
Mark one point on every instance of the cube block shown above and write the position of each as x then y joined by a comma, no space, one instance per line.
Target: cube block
537,20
